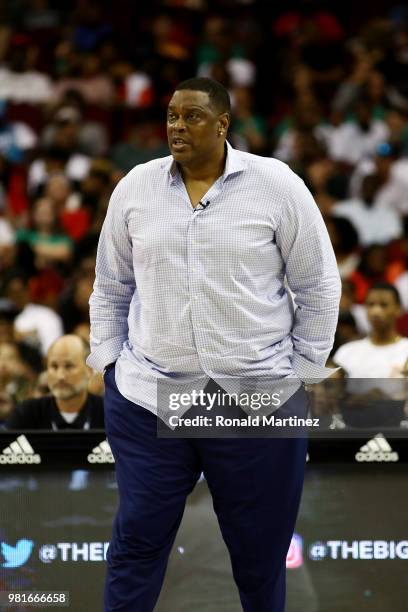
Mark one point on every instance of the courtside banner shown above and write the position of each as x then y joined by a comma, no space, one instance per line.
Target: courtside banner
47,449
84,452
265,407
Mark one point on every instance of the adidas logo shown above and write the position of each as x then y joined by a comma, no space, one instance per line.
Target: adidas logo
101,454
19,451
376,449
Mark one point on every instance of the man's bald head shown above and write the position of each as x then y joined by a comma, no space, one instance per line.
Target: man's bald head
68,374
70,343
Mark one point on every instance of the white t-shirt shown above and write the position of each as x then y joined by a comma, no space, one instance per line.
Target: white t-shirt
364,360
349,143
393,195
41,323
69,417
375,224
30,86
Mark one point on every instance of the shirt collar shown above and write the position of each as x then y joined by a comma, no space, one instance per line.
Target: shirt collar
234,163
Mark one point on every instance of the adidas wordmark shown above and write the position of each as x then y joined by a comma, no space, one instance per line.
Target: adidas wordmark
376,449
20,451
101,454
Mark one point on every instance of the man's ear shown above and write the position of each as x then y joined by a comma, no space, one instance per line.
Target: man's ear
224,122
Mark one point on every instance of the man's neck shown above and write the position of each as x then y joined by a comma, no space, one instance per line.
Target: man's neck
207,172
386,337
73,404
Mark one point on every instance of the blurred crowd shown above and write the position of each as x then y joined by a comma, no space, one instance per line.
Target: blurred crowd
83,92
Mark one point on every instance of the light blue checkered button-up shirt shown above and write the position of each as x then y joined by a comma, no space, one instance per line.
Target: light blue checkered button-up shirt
183,292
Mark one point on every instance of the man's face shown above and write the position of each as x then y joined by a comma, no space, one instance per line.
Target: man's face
193,126
382,309
10,362
67,372
17,292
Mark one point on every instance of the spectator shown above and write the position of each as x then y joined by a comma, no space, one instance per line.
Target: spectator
95,86
142,143
383,353
48,243
375,400
363,80
37,325
307,117
20,82
82,211
58,189
353,140
62,155
375,224
373,267
89,137
393,175
69,406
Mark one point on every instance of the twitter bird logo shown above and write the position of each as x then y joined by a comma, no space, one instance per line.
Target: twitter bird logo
17,555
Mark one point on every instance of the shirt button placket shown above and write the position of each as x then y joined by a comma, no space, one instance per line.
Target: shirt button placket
193,260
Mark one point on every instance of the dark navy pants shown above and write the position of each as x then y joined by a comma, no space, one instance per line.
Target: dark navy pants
256,486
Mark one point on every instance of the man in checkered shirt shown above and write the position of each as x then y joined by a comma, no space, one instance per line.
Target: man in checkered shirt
195,258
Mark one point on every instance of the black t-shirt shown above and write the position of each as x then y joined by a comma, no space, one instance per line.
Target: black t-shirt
43,413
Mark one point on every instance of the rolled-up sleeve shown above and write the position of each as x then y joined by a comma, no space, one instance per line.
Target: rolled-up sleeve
312,274
114,285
